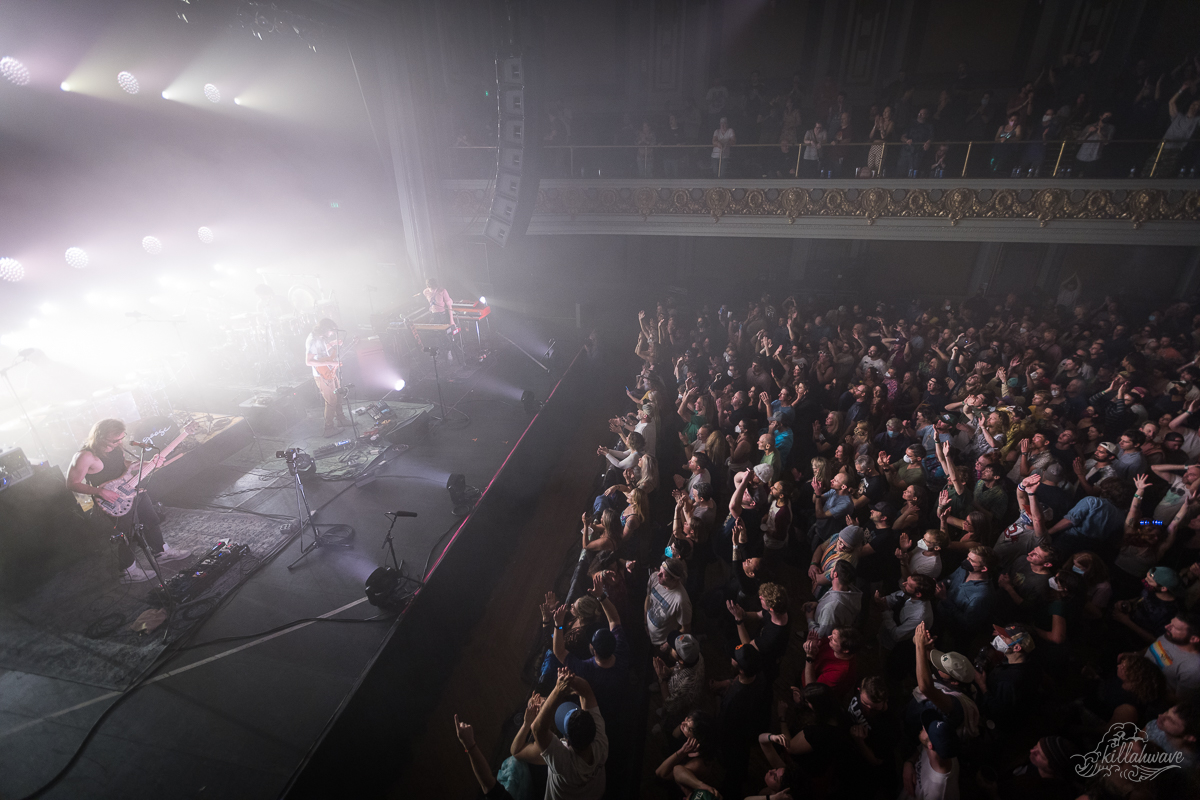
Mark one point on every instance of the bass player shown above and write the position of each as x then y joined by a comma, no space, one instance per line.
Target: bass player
321,354
102,459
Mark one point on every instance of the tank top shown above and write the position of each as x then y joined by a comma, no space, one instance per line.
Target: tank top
114,467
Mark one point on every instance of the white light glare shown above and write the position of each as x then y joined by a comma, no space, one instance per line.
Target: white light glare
165,97
482,300
205,234
14,70
66,87
128,82
11,270
399,385
212,93
237,101
151,245
76,257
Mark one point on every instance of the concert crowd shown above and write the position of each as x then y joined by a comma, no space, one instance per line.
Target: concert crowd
917,550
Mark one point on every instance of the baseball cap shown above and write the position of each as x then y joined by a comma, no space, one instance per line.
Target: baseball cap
1173,436
943,737
1054,471
884,507
948,418
956,665
562,714
1109,446
747,658
687,648
1018,634
1168,579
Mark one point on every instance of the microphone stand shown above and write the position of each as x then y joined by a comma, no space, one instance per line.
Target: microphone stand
136,529
388,543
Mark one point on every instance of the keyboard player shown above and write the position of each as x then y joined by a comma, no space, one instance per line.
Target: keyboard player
441,307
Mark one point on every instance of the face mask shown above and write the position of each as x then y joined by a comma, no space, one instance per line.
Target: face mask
892,435
907,459
669,552
738,428
983,101
728,357
1047,118
922,544
729,372
1055,392
1078,570
1055,585
1000,645
965,566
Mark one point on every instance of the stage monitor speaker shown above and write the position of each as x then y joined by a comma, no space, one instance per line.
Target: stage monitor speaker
516,182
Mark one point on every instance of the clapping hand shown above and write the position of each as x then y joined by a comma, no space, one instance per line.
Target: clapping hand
811,647
551,601
533,707
922,638
739,614
560,615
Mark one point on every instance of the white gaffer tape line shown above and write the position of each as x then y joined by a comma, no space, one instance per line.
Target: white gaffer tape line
193,665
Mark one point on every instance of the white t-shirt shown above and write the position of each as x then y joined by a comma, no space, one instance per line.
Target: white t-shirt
316,346
931,784
670,609
921,564
569,776
724,140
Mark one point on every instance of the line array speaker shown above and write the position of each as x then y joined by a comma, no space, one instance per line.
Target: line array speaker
516,184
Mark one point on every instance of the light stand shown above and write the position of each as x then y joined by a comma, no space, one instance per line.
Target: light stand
306,515
22,357
523,350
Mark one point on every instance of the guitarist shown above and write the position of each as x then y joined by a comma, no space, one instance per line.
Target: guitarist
321,355
101,459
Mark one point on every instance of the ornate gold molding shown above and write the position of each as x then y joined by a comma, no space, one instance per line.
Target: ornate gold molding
1045,205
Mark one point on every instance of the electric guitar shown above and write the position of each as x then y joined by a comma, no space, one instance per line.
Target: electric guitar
126,486
328,372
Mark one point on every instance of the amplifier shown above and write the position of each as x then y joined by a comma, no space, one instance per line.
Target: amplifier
14,467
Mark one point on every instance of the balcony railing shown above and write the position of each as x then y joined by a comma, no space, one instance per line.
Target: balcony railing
1125,158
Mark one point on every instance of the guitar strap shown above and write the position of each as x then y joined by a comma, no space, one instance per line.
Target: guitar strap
114,467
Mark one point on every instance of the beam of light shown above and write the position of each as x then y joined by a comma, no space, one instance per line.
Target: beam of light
398,386
77,257
14,71
11,270
151,245
66,87
166,96
237,101
482,300
206,235
212,93
128,83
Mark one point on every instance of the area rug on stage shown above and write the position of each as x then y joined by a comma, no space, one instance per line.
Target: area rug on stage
78,625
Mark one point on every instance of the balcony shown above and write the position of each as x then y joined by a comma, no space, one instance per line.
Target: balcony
838,196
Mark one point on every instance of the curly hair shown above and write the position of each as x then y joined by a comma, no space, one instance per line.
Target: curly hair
774,596
1144,678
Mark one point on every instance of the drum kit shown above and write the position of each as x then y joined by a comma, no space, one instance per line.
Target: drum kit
268,345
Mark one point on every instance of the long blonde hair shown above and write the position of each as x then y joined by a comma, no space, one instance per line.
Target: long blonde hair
100,433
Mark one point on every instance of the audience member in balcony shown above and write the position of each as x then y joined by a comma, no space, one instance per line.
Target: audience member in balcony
815,140
1005,150
841,157
716,102
672,156
789,134
1033,154
1021,104
1090,157
645,140
1184,121
947,116
978,125
723,139
917,144
883,132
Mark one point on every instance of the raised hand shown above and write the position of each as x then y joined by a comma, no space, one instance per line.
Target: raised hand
547,607
811,647
565,676
1141,482
532,707
597,585
922,638
737,611
465,733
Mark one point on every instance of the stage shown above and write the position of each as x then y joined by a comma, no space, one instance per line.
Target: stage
238,716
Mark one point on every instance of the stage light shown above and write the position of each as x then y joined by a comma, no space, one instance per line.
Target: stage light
151,245
398,386
66,87
212,93
237,101
461,496
206,235
530,403
76,257
482,300
128,83
164,96
381,587
14,70
11,270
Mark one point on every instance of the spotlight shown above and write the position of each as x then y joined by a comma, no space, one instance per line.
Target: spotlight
381,588
398,386
128,83
530,403
206,235
462,497
14,70
151,245
11,270
237,101
482,300
165,96
76,257
212,93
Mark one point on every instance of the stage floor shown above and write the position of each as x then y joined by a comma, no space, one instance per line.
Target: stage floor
234,719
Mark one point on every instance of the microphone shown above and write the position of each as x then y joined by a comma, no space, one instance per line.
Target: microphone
401,513
145,444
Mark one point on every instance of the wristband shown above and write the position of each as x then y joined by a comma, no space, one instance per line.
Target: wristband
741,622
560,627
810,659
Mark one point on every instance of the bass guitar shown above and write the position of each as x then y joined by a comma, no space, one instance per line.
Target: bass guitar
126,486
329,373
